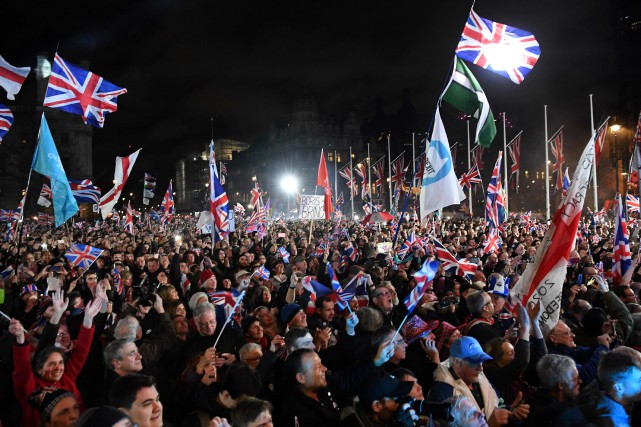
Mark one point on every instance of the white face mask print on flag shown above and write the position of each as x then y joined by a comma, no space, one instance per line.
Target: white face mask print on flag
440,187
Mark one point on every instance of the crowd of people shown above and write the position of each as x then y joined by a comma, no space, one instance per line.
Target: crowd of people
168,328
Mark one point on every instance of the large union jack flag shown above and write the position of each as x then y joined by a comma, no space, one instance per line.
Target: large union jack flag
493,242
556,146
361,171
493,190
470,179
129,219
218,201
6,120
398,171
378,172
167,204
514,150
84,191
346,173
451,264
82,92
600,141
80,255
622,256
508,51
632,203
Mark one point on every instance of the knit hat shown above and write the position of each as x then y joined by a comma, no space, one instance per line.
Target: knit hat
101,416
288,312
204,276
443,332
193,301
247,322
45,399
416,328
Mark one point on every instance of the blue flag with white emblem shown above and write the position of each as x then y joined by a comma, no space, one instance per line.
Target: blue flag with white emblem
440,187
46,161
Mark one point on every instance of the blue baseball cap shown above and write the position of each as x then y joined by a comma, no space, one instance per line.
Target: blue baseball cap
468,348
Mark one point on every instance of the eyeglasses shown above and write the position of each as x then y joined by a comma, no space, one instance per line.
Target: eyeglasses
399,342
566,333
383,294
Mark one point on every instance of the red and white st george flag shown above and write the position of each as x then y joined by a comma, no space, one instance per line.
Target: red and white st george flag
12,78
543,279
123,169
322,180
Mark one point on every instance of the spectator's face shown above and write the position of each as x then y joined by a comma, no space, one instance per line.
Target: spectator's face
631,385
146,410
562,335
469,372
417,390
299,320
65,413
508,353
255,331
263,420
252,359
53,368
206,323
243,261
327,312
400,347
180,325
573,390
266,317
152,265
131,360
313,373
162,278
305,341
498,302
383,299
475,417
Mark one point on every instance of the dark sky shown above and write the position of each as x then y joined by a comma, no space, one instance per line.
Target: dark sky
243,62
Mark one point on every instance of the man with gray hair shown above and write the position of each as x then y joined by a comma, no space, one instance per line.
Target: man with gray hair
481,326
121,358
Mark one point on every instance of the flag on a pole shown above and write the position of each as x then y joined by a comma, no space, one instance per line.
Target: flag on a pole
129,219
556,146
218,201
464,93
543,279
493,190
514,149
84,191
440,187
12,78
600,140
46,161
123,170
398,171
82,255
81,92
632,203
45,196
470,178
167,205
346,173
6,120
622,259
421,277
508,51
451,264
322,180
361,171
378,172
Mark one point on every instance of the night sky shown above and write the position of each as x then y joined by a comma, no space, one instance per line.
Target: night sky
183,62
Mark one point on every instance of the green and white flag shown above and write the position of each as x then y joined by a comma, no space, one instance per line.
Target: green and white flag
464,93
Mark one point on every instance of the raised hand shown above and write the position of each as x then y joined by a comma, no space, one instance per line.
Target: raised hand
16,329
60,305
384,352
91,309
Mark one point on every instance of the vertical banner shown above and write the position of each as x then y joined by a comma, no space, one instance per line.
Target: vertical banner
148,189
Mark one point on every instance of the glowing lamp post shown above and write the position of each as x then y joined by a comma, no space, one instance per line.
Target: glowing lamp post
289,185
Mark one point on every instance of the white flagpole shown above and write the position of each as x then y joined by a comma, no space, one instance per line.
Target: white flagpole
594,183
469,165
389,171
351,191
505,168
547,167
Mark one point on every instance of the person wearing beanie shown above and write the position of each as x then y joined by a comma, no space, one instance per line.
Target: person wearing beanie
57,407
293,316
103,416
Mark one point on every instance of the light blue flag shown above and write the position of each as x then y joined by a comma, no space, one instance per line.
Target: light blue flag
47,162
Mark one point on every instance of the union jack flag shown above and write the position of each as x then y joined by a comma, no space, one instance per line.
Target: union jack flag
320,249
84,191
82,92
378,172
493,242
493,189
80,255
361,171
419,168
514,150
255,195
356,288
632,203
283,254
470,179
223,298
239,209
218,201
600,140
223,173
6,120
477,155
340,200
421,277
9,215
622,256
117,279
46,191
483,41
129,220
346,173
167,204
557,151
451,264
44,218
336,285
262,272
398,171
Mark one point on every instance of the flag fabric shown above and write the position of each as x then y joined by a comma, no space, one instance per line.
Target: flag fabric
419,168
167,204
262,272
361,171
635,169
84,191
622,259
346,173
514,150
255,195
493,242
12,78
336,285
44,218
340,200
379,173
543,279
600,140
477,157
470,178
493,189
81,92
218,201
451,264
421,277
154,215
322,180
398,171
6,119
44,199
129,220
46,161
149,186
556,146
117,279
239,209
121,174
464,93
566,181
355,288
283,254
440,187
508,51
80,255
632,203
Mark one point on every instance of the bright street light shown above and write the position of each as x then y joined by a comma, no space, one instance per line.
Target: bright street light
289,184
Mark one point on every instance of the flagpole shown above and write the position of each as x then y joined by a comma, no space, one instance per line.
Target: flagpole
507,215
369,178
335,178
469,165
389,171
547,168
351,190
594,182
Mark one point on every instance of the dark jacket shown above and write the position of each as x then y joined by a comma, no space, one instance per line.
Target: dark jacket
586,358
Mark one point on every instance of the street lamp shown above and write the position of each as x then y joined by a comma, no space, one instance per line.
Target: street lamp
615,129
289,185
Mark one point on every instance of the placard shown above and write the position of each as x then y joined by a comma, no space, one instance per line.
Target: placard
312,207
